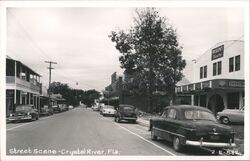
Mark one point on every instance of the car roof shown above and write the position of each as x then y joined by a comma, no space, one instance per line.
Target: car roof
188,107
124,105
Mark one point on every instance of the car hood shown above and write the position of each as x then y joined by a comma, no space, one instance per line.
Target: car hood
22,112
209,126
111,110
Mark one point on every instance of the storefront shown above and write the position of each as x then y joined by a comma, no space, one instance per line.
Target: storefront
218,78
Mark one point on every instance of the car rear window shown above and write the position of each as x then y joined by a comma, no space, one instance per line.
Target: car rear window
198,115
23,108
127,108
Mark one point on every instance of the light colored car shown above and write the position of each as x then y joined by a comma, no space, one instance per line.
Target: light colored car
231,116
108,110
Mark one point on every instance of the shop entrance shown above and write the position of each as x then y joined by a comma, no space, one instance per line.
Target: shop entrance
216,103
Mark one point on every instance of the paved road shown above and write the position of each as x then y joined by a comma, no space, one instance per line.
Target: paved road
84,132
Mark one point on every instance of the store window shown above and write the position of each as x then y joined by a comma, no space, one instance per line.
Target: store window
201,72
231,64
237,63
205,71
214,69
219,68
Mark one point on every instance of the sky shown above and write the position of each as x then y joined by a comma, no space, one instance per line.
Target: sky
77,38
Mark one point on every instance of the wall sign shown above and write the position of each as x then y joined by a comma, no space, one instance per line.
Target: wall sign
218,52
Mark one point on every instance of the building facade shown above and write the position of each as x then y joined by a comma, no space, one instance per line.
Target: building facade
23,85
217,78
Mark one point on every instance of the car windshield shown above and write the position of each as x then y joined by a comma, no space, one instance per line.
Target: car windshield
109,107
128,108
199,115
23,108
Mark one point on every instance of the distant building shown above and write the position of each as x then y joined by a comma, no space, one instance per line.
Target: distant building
23,85
217,78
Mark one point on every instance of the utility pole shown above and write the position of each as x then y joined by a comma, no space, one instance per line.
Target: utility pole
50,68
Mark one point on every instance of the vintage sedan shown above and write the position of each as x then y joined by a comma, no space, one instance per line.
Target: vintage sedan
24,112
187,125
125,112
231,116
108,110
46,111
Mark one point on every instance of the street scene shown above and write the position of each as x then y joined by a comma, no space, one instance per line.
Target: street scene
146,81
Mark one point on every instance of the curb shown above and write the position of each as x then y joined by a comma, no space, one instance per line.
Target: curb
142,123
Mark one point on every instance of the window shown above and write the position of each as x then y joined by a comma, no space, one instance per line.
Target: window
205,71
201,72
231,64
237,63
219,68
214,69
172,114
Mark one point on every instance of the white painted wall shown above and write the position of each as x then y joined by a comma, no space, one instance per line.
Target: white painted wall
231,49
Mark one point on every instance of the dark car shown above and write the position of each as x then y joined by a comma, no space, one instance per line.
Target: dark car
125,112
56,108
187,125
24,112
46,111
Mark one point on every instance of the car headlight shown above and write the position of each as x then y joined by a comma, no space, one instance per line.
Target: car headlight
28,113
11,115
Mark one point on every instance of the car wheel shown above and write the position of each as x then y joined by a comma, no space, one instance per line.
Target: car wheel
118,119
153,136
225,120
177,144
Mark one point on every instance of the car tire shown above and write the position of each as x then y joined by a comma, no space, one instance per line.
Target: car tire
153,136
118,119
177,144
225,120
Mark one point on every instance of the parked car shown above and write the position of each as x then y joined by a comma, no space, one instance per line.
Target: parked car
187,125
95,108
125,112
56,108
71,107
63,107
108,110
231,116
24,112
46,111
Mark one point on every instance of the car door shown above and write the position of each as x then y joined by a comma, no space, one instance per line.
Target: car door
170,124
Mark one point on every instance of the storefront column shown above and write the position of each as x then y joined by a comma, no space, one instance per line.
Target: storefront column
192,99
224,96
199,100
241,100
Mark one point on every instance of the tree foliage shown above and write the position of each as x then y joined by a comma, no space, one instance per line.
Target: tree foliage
74,96
89,97
150,53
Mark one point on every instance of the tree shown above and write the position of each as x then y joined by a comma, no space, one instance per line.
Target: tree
71,95
88,97
151,54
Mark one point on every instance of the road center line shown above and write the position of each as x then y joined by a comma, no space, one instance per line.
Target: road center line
145,140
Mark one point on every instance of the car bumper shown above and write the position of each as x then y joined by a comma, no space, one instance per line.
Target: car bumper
129,118
210,144
108,113
17,118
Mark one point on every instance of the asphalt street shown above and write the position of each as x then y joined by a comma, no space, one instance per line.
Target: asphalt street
82,131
